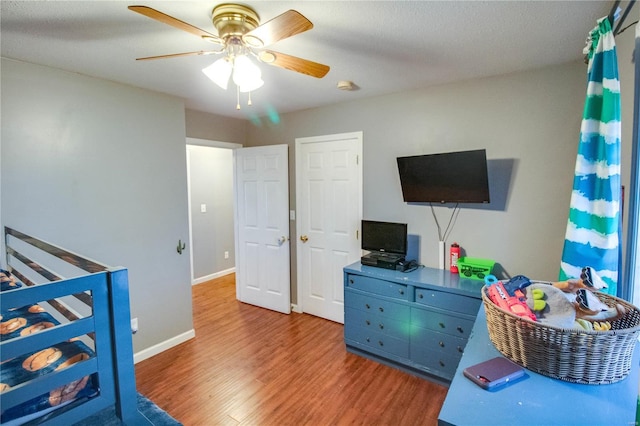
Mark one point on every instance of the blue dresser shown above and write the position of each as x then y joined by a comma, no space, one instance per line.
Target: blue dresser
418,321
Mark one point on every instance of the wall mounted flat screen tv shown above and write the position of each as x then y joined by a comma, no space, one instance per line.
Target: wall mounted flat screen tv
453,177
388,237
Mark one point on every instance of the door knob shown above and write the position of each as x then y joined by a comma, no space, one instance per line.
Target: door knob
304,238
282,240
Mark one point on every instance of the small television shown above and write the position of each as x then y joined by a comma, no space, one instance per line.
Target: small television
453,177
387,237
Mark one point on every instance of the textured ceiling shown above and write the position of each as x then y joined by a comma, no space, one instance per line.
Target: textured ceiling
383,46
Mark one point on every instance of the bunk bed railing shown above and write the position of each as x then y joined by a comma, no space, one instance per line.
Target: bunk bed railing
106,291
74,259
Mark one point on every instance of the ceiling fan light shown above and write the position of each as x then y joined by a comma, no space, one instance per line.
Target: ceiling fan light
219,72
254,85
246,74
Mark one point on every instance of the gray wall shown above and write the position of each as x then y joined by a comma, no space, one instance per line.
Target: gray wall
211,183
100,169
625,44
529,123
203,125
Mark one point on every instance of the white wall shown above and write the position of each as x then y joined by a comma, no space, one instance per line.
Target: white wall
100,169
529,123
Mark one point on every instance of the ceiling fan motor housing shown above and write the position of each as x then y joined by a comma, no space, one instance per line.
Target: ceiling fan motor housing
234,20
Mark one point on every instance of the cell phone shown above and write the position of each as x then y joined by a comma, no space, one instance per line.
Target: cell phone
494,373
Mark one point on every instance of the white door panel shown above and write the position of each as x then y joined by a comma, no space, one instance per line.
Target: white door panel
329,204
262,220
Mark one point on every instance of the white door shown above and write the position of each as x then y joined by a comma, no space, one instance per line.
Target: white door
262,222
329,210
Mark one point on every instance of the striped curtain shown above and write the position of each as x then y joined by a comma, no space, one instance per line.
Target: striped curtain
593,229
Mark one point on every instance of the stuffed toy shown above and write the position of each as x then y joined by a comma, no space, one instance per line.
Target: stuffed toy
573,304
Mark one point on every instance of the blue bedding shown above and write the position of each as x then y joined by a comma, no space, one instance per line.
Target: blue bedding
28,320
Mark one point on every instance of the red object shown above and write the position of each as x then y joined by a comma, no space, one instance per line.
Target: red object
516,303
454,255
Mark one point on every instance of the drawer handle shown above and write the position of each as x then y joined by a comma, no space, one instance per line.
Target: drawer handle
401,291
381,326
441,344
441,324
351,281
420,296
460,329
441,363
368,322
460,349
381,309
368,340
367,306
380,343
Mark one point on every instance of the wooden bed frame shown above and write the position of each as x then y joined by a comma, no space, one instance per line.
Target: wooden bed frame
108,325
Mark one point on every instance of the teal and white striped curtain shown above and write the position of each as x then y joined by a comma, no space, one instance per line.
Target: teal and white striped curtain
593,229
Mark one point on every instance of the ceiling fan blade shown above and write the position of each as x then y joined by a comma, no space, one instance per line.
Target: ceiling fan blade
282,26
293,63
176,55
176,23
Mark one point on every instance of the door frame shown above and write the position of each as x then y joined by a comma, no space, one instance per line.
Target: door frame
319,139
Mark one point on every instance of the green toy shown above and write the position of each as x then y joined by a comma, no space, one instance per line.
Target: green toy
538,299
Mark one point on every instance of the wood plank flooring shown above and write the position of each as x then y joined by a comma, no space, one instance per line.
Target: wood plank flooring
252,366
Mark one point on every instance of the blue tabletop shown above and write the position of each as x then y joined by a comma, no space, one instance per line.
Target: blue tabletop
536,400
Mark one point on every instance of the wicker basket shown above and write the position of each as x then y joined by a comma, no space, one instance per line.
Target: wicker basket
572,355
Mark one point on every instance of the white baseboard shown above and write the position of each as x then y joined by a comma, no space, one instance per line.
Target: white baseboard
295,308
163,346
213,276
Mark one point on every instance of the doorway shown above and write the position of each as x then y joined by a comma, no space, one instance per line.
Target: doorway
210,206
319,266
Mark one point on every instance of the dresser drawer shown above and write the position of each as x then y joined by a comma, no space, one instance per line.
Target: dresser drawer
376,322
373,304
442,343
436,363
376,341
441,322
447,301
376,286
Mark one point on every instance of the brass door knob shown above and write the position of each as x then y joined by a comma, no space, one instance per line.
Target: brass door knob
304,238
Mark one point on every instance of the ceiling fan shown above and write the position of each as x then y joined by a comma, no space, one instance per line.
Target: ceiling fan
240,34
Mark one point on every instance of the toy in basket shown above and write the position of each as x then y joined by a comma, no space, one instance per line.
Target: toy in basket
566,330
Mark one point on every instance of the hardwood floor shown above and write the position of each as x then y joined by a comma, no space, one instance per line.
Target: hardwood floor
252,366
